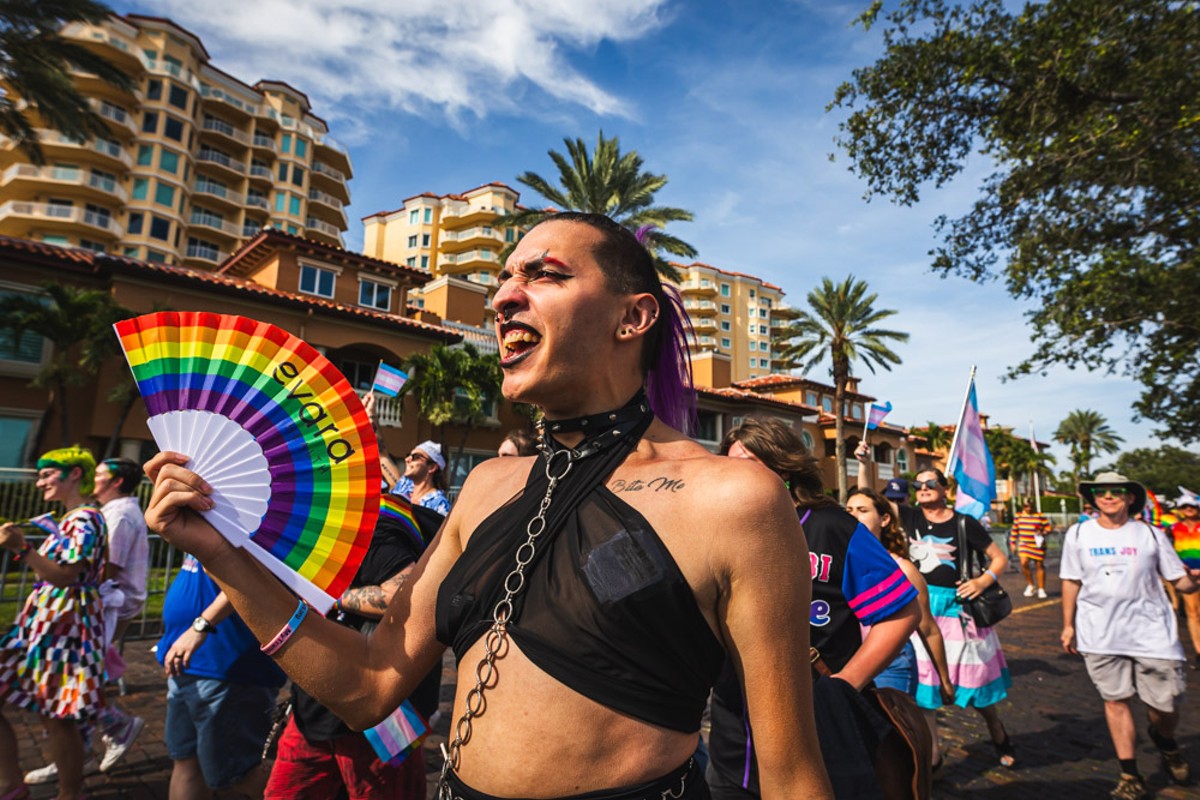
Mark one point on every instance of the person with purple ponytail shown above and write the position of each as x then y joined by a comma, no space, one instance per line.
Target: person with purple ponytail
590,592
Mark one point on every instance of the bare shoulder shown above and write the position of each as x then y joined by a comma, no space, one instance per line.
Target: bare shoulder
488,486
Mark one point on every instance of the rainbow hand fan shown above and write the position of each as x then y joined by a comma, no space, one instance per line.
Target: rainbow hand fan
277,432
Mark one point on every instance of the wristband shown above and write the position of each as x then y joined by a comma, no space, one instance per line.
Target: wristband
287,630
994,578
24,551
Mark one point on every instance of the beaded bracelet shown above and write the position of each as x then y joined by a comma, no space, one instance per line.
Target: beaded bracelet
994,578
287,630
26,547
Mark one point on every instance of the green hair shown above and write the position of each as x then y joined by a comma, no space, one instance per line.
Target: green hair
66,459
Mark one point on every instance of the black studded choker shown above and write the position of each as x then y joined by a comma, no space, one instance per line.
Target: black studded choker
599,430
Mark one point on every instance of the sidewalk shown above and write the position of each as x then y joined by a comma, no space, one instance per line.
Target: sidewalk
1053,715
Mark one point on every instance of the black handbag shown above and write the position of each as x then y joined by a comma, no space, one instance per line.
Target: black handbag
993,604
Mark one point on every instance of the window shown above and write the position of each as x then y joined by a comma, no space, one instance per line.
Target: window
150,122
301,148
762,363
762,313
135,223
762,329
168,161
414,216
411,261
725,326
372,294
156,256
360,374
902,460
428,215
807,439
766,301
724,290
280,201
95,247
178,97
297,175
509,235
292,229
751,294
16,432
160,228
283,172
314,280
26,349
726,344
412,241
164,195
140,187
294,205
173,129
725,309
424,262
753,362
154,89
424,240
856,411
285,143
708,426
130,252
463,466
827,404
145,155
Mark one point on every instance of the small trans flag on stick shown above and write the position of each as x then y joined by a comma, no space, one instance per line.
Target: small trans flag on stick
398,735
44,523
389,380
876,414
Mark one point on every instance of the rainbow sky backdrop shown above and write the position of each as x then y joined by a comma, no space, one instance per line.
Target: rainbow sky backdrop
314,433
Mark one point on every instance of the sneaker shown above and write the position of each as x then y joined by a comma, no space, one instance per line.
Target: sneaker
49,773
1042,594
1029,590
1130,787
118,746
1174,763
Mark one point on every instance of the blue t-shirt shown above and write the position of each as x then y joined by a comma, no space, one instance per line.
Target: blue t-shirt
230,652
436,499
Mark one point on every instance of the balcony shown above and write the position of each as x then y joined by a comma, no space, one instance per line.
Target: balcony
699,288
331,151
35,180
257,202
118,48
206,253
250,230
221,129
169,70
15,213
113,155
261,142
471,258
704,341
322,231
463,216
118,118
330,179
211,222
261,173
222,193
221,160
387,409
886,471
477,236
700,305
707,324
317,196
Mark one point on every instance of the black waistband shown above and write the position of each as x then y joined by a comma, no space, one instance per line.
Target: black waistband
682,782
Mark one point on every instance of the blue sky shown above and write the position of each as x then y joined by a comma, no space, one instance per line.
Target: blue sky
727,97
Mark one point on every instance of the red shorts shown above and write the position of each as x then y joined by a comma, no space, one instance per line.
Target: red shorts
347,764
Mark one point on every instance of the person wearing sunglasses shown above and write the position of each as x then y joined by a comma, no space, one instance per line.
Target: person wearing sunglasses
975,659
1116,615
424,479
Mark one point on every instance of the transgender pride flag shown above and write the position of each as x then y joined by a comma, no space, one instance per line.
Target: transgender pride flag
389,380
970,462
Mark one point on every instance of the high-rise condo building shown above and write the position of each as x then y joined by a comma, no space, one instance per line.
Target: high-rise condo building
193,164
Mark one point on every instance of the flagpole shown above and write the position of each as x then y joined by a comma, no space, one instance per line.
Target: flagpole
1037,485
958,426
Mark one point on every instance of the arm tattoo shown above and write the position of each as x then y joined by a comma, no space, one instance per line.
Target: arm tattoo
364,598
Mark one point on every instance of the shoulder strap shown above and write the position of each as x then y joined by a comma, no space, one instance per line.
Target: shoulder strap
964,549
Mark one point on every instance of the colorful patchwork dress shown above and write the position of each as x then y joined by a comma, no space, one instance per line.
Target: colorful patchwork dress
1028,536
52,661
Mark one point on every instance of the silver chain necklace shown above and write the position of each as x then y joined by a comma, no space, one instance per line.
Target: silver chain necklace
496,636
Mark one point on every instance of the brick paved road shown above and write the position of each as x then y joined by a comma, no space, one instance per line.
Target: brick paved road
1054,717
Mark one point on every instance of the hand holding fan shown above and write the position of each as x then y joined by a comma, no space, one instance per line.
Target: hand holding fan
276,431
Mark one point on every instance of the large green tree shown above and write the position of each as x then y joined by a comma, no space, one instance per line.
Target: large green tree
936,437
78,323
454,385
35,63
609,182
839,324
1163,469
1087,434
1088,112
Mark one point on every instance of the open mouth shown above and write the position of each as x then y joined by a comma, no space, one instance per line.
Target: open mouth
517,341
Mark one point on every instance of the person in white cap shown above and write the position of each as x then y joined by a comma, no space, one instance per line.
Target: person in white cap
1117,616
424,479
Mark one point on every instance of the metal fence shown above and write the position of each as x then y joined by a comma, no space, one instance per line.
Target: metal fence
20,500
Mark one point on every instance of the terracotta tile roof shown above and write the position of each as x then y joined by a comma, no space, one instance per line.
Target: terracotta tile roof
774,381
703,265
729,393
254,252
227,284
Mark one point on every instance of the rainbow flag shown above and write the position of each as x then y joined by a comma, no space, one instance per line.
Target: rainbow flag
1153,512
398,735
399,509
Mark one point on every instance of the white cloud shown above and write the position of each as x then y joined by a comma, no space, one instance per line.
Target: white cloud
464,60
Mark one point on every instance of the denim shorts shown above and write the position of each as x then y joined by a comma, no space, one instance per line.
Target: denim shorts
221,724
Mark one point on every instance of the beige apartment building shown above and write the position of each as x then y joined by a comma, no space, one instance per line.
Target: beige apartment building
451,235
193,164
731,314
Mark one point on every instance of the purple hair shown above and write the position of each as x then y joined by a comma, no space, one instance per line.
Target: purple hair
669,384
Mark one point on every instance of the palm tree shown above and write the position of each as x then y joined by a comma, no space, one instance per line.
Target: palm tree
453,385
68,316
1087,433
611,183
936,437
840,326
35,63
